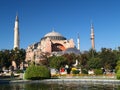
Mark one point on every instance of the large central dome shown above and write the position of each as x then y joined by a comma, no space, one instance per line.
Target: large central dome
53,33
54,36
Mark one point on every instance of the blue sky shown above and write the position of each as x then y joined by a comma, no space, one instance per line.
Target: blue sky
68,17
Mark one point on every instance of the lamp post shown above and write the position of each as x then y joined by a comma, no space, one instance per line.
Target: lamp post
34,57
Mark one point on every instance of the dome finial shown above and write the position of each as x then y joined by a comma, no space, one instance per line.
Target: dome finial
53,30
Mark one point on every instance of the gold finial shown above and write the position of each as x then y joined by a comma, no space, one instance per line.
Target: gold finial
53,30
17,16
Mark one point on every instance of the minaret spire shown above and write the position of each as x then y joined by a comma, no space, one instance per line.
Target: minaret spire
16,33
78,42
92,36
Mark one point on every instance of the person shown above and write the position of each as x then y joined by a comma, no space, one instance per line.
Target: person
12,75
12,68
62,69
68,70
103,71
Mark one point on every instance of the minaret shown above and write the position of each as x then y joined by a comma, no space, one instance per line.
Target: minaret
78,42
16,33
92,37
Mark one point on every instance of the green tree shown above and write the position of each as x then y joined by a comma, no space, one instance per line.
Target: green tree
95,63
108,58
44,60
7,56
84,60
57,61
92,53
70,58
17,55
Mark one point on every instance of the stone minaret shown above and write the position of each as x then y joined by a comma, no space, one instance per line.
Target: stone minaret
92,37
78,42
16,33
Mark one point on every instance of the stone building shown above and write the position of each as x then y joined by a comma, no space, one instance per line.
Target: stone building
52,43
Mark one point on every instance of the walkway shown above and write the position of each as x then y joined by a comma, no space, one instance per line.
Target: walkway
68,80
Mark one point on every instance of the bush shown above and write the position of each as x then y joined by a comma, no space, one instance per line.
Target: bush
98,71
34,72
75,71
117,68
19,71
84,71
118,74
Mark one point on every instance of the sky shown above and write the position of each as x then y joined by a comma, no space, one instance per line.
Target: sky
68,17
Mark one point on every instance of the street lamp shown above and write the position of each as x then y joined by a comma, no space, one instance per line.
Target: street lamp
34,56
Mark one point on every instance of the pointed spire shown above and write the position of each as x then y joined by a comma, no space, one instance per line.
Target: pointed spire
92,27
17,19
78,35
78,42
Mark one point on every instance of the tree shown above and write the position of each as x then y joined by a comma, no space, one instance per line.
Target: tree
108,58
95,63
92,53
57,61
84,60
17,55
7,56
117,66
70,58
44,59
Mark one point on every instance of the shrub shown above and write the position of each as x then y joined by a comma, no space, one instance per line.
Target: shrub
19,71
84,71
118,74
117,68
75,71
98,71
34,72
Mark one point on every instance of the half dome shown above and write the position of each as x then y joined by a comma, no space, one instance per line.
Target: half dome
72,50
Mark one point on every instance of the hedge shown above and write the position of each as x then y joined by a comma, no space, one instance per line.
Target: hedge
118,74
34,72
75,71
98,71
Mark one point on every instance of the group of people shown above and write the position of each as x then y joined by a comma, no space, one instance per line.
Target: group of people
68,70
108,72
65,70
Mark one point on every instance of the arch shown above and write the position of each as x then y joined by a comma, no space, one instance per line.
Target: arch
58,47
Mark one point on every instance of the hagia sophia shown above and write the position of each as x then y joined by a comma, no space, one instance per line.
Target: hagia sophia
52,43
